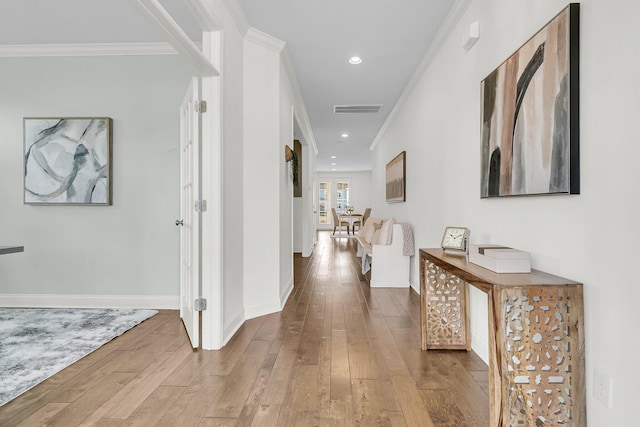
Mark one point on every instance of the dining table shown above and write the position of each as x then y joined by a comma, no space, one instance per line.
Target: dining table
351,217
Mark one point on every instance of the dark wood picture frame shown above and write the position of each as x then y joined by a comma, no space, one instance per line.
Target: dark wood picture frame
530,136
297,183
396,183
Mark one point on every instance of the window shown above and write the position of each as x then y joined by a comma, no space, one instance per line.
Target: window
342,199
332,193
324,202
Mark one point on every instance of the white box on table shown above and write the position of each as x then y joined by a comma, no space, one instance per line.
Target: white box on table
500,259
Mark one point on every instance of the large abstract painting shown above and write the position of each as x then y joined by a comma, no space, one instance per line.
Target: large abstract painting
530,133
395,179
67,161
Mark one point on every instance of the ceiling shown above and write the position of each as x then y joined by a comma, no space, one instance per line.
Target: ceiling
391,36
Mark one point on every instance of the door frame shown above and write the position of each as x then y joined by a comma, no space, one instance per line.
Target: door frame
212,265
207,61
332,180
189,222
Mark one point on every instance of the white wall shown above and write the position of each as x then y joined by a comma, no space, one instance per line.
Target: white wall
286,186
271,102
303,205
361,195
234,165
263,172
130,248
297,224
571,236
309,237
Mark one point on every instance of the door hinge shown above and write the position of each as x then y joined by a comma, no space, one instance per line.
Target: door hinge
200,205
200,106
200,304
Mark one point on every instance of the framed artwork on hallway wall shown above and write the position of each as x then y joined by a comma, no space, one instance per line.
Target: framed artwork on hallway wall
530,116
67,161
297,183
396,179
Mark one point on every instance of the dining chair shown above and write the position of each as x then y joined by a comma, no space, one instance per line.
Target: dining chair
360,223
337,222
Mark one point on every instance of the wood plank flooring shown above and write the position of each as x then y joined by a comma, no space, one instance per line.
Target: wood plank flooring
339,354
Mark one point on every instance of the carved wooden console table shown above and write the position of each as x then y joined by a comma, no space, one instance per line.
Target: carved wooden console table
536,337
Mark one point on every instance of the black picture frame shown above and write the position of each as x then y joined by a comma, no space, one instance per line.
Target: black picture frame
530,134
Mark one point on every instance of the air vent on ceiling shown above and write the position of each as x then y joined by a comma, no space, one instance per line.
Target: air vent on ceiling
356,109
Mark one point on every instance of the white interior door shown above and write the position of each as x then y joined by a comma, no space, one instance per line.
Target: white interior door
189,221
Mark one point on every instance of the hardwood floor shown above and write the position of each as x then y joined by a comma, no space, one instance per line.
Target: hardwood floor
340,353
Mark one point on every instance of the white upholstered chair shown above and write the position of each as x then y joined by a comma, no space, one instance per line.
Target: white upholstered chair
359,223
337,222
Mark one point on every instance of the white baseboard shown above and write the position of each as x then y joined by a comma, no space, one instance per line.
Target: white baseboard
380,284
169,302
257,310
270,306
232,326
480,347
284,294
307,253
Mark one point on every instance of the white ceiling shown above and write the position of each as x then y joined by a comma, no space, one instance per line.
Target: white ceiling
391,37
85,21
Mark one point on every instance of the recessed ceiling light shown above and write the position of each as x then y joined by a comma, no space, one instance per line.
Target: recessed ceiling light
333,157
355,60
334,169
345,135
333,164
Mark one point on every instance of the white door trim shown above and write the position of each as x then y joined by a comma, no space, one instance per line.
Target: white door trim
212,237
189,221
208,63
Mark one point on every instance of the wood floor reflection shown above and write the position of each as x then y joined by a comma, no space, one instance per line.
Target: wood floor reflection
339,354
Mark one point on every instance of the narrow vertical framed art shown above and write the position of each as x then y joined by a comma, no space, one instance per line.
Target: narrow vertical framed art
396,183
67,161
530,136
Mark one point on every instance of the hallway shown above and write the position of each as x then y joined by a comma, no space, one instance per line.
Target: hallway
339,353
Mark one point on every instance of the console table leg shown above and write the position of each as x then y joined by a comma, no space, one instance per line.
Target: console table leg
495,376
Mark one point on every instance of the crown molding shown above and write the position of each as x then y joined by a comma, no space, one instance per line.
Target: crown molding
85,49
446,29
278,46
264,40
175,35
238,15
204,14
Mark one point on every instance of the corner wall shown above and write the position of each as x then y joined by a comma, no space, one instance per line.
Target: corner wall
588,237
234,166
270,105
121,255
262,175
286,186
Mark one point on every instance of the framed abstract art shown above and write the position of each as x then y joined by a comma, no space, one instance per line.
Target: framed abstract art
530,115
396,180
67,161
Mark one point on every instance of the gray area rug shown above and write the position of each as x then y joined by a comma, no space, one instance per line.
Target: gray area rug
37,343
